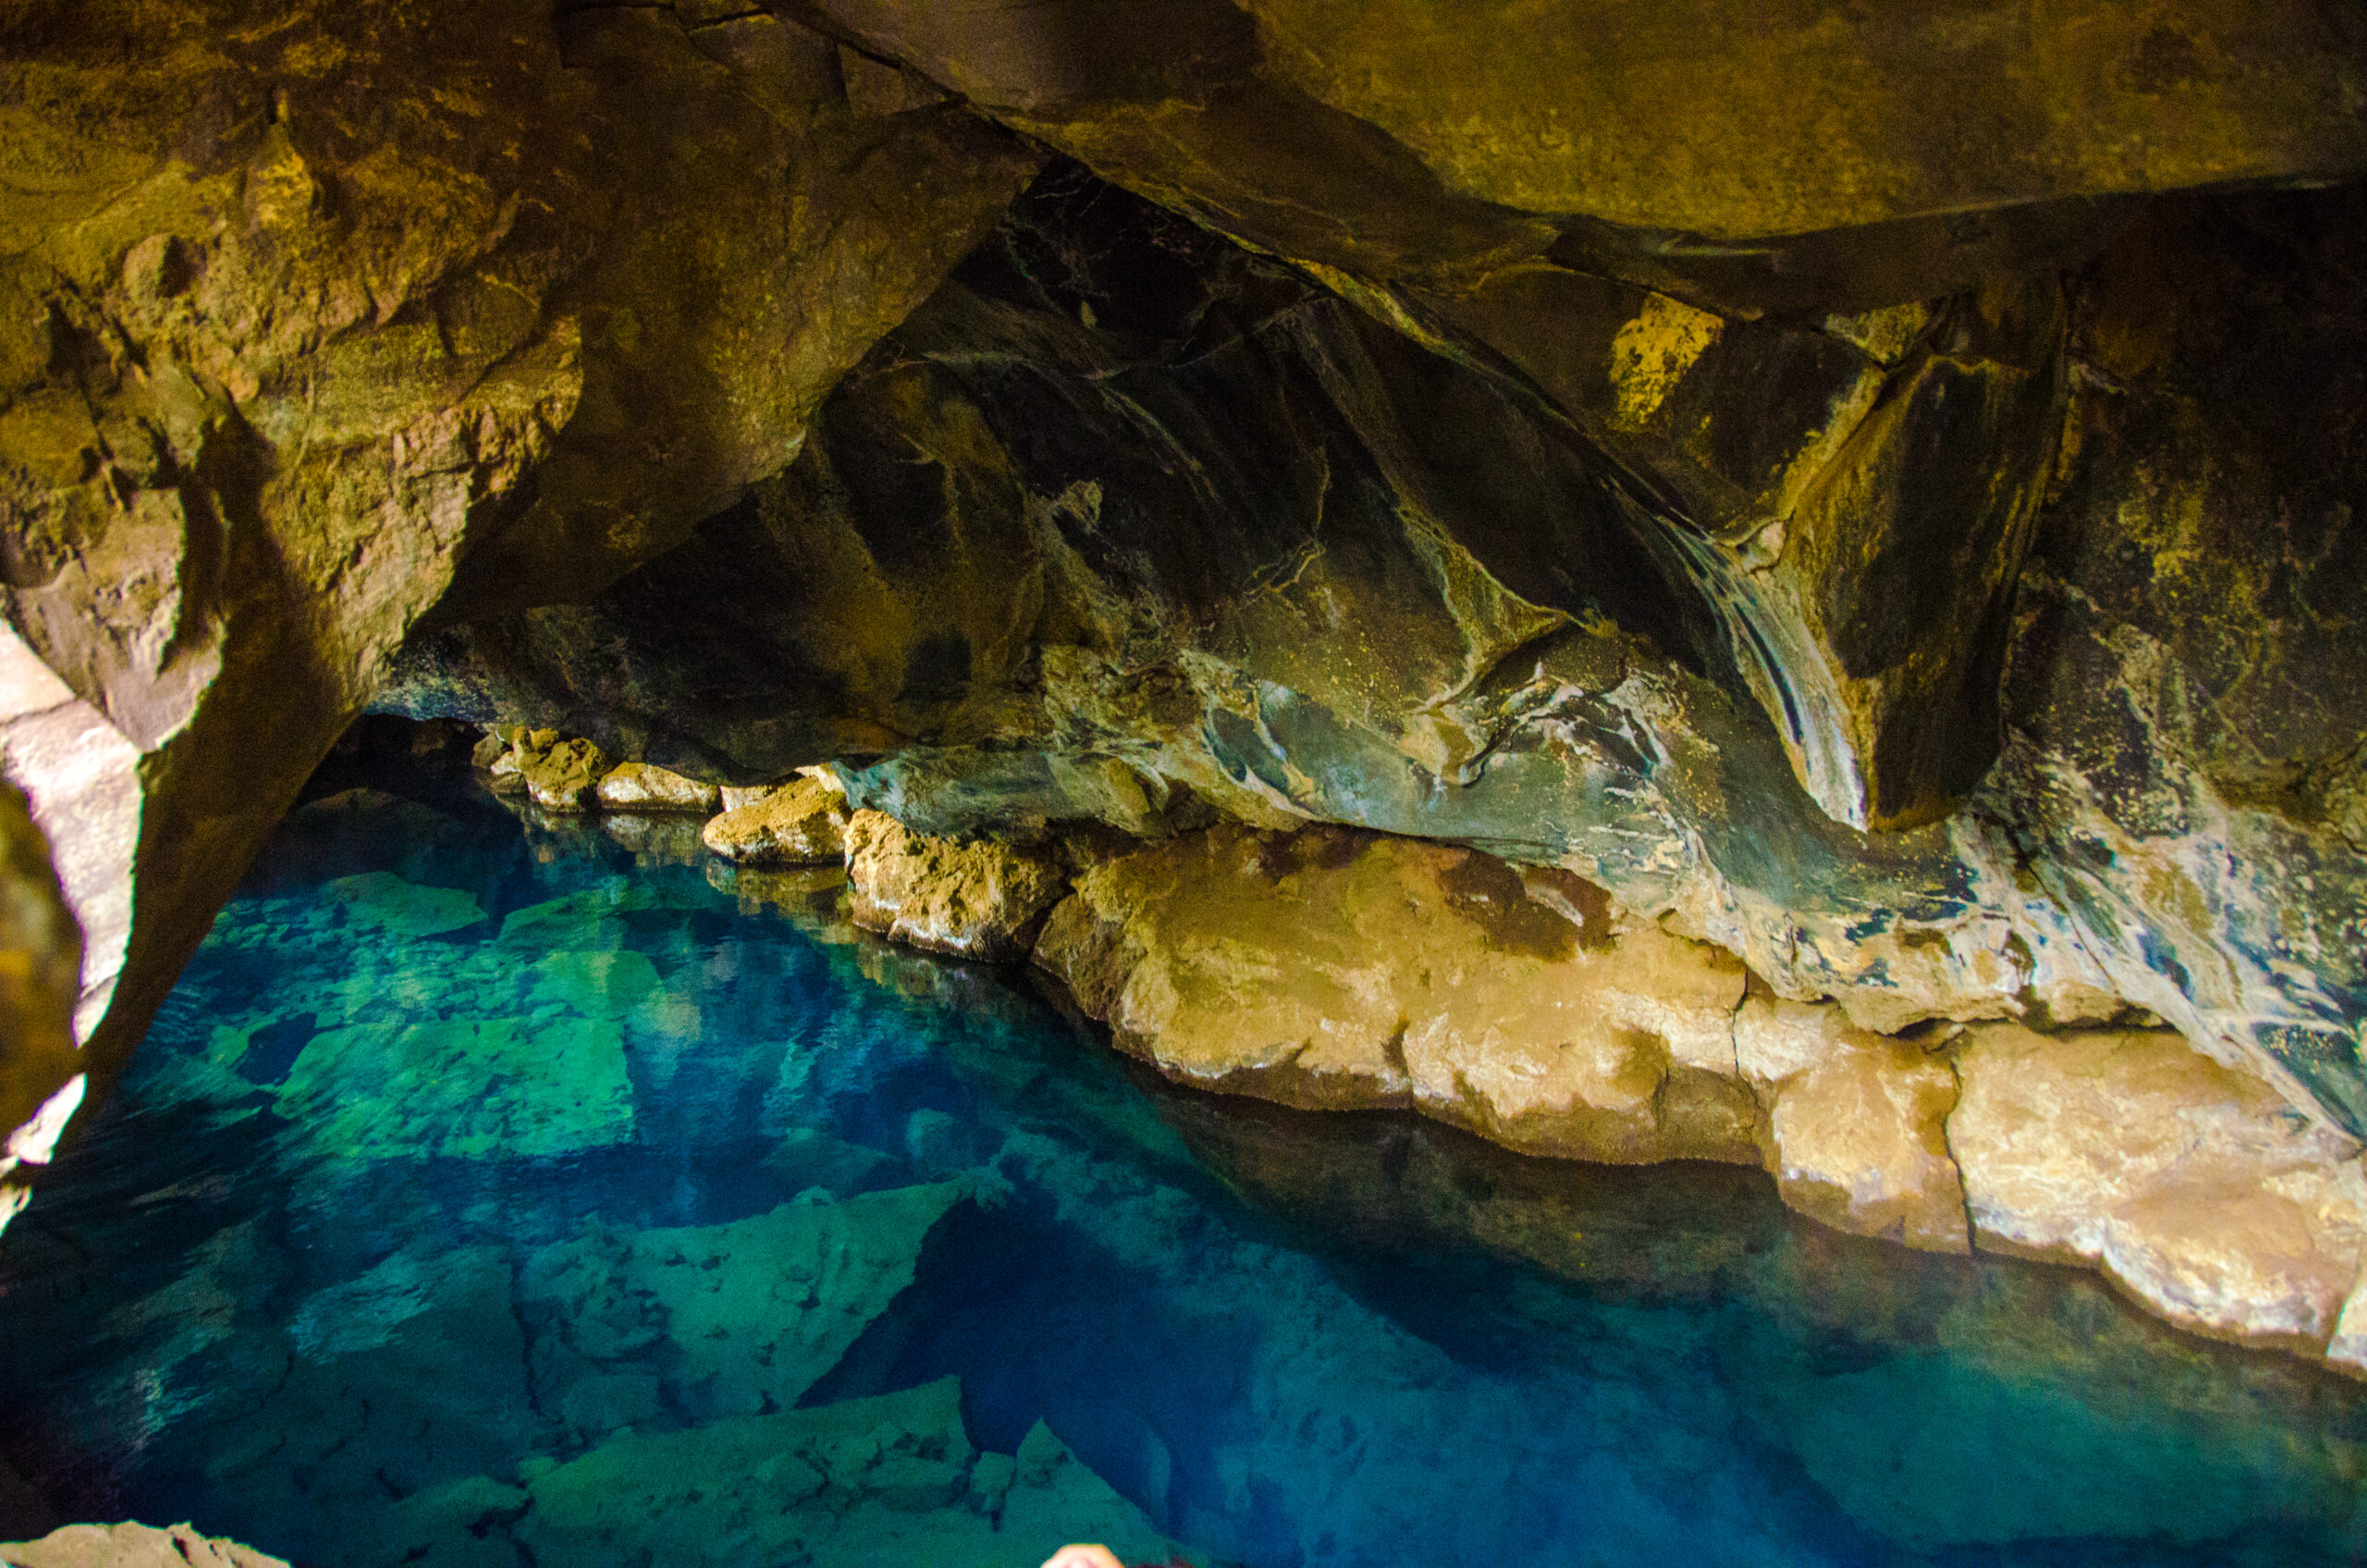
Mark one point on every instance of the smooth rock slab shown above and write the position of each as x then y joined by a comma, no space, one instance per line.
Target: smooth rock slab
1338,970
2195,1188
983,901
1857,1124
131,1545
802,822
640,785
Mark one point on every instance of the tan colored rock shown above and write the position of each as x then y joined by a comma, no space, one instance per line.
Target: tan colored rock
734,796
983,901
639,786
1856,1124
489,750
802,822
1337,969
2196,1188
560,775
131,1546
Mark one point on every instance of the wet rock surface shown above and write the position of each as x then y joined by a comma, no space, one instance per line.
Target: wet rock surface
312,326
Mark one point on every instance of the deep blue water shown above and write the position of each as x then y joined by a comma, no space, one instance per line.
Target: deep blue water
517,1194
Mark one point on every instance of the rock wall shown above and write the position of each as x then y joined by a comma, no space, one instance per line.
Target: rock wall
1178,533
313,320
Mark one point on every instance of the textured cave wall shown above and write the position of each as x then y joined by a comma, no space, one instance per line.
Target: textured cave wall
1128,523
316,317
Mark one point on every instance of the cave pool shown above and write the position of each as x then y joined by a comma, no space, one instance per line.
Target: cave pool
502,1191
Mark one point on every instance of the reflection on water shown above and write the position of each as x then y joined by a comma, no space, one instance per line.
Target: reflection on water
502,1191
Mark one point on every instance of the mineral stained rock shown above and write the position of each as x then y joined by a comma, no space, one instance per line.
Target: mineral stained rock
642,787
1411,597
980,901
131,1545
802,822
561,775
41,950
313,318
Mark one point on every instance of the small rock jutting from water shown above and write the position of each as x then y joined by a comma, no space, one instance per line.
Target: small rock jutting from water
801,822
131,1545
983,901
640,785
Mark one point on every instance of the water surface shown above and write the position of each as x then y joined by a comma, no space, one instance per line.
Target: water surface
509,1194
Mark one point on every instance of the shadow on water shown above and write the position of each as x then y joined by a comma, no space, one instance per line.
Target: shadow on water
499,1190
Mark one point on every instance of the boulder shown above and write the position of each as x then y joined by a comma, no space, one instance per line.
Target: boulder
804,823
642,787
560,774
1856,1124
131,1545
1343,970
2197,1189
981,901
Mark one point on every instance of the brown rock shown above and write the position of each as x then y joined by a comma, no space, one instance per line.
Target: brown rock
131,1546
1338,969
488,751
637,786
269,385
802,822
560,775
983,901
1856,1124
2195,1187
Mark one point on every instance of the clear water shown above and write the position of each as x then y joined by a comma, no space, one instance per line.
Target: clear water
502,1194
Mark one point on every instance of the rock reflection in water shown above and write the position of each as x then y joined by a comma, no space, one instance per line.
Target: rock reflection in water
1942,1401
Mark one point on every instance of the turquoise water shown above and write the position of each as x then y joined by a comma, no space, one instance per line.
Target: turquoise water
517,1194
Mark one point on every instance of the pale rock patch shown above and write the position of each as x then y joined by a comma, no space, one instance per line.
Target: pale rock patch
802,822
983,901
644,787
1337,969
131,1545
2196,1188
1856,1124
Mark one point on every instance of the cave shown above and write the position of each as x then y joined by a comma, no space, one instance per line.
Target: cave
1288,783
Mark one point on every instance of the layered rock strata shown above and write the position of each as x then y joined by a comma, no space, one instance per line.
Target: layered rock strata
1342,970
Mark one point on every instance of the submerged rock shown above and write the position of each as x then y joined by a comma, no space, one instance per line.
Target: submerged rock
801,822
893,1478
720,1320
980,901
644,787
131,1546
